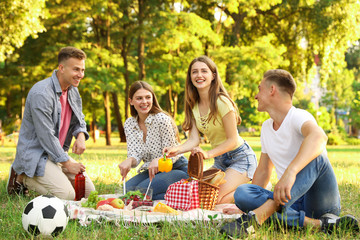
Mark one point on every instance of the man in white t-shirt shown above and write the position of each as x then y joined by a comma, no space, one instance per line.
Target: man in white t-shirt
291,141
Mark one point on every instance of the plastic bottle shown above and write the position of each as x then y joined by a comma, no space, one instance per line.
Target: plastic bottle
79,186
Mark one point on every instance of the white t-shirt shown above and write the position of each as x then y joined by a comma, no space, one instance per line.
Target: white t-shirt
283,145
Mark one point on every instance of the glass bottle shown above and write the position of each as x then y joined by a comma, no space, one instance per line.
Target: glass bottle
79,186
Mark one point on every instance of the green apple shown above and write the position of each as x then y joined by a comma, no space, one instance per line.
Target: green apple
117,203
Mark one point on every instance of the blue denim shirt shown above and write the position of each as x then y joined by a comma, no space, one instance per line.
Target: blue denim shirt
40,127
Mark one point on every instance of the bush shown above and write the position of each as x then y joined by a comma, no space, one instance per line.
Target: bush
353,141
334,139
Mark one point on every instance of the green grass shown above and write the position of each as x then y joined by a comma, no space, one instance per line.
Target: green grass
102,161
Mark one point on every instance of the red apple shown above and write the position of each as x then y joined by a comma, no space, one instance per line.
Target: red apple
103,202
117,203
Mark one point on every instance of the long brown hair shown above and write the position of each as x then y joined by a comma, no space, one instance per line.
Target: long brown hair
139,85
216,90
155,105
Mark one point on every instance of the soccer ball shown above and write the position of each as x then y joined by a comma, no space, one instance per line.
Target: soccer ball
46,215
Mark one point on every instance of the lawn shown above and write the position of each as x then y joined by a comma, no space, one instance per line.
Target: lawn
101,162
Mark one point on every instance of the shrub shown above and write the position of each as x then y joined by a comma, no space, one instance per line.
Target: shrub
334,139
353,141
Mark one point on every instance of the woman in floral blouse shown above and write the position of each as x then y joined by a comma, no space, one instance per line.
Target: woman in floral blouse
148,131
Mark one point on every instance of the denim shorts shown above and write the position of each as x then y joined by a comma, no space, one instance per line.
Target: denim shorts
241,159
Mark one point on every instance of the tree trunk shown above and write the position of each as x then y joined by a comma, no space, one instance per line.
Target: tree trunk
234,38
175,98
141,42
124,53
23,100
118,117
107,118
93,127
8,104
169,99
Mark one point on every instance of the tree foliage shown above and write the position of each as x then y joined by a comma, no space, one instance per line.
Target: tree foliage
18,20
155,40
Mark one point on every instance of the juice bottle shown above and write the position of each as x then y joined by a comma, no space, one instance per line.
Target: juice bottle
79,186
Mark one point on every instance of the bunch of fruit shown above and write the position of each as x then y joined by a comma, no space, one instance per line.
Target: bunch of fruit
114,202
137,199
94,201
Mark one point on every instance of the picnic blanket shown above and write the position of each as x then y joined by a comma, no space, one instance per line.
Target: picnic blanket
87,215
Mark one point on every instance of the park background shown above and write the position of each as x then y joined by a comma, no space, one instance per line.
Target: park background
155,40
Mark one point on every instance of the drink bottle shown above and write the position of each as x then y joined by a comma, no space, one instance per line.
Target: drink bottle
79,186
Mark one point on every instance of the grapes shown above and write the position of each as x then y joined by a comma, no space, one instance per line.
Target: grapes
92,200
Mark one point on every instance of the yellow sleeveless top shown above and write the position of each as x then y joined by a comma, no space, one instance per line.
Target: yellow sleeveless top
214,130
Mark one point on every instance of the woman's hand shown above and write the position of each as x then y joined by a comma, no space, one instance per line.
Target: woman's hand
153,168
171,151
200,150
125,166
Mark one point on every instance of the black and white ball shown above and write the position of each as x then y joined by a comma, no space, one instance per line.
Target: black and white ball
46,215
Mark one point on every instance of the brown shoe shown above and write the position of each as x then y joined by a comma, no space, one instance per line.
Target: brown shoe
15,187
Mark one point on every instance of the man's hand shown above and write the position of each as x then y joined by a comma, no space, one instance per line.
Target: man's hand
79,144
73,167
282,189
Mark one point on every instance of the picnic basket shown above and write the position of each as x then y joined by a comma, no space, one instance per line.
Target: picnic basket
208,193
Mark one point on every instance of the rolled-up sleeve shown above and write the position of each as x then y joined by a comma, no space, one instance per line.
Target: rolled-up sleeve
81,127
42,110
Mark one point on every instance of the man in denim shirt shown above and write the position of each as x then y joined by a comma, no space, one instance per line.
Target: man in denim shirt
52,116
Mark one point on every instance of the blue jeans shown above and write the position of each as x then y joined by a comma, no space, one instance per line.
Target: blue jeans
162,180
314,193
241,159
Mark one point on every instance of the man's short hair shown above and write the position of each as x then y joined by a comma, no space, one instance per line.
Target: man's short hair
282,79
70,52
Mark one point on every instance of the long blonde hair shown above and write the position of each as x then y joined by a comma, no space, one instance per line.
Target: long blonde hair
216,90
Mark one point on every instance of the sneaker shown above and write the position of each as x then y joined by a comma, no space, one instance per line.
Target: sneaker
331,222
15,187
243,226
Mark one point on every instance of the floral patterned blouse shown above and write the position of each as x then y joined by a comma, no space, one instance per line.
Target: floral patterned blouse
160,134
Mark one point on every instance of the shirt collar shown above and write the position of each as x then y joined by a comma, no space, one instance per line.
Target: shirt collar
56,83
148,120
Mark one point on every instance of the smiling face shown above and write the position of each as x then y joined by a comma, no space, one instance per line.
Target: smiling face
70,72
142,101
262,95
201,75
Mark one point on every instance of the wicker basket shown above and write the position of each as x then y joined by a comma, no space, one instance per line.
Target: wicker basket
208,193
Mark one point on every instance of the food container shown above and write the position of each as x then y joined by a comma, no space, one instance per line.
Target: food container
208,193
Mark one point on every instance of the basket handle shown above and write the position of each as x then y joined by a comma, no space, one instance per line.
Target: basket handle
201,164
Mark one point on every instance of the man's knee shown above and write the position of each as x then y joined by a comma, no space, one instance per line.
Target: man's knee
243,193
249,197
66,194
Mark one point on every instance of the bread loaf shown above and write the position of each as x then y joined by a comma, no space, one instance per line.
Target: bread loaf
218,179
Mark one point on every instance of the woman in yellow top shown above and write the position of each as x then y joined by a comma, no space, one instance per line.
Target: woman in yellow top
210,110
